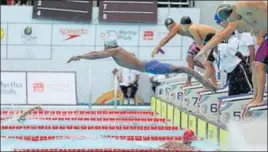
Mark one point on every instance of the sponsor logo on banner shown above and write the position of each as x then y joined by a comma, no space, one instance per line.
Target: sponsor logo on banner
71,33
10,88
38,87
42,87
28,36
148,35
120,35
2,33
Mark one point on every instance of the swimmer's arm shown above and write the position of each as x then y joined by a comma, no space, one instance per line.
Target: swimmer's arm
197,37
98,54
251,53
167,38
252,5
219,37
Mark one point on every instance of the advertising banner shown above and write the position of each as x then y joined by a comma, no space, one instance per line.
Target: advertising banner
126,35
64,34
3,52
51,88
3,34
29,52
151,35
13,88
29,34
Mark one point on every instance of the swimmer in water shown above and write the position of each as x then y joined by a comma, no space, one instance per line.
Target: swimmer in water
22,118
127,60
199,32
174,29
254,14
188,137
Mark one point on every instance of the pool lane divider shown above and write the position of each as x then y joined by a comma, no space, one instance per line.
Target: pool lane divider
127,138
100,150
78,112
86,127
65,118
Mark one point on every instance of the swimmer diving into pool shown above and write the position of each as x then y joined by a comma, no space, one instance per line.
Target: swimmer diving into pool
127,60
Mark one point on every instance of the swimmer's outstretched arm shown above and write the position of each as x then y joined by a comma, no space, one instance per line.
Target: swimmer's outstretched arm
28,112
218,38
165,40
95,55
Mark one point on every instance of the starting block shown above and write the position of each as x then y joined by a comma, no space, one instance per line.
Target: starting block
208,103
176,93
230,108
190,98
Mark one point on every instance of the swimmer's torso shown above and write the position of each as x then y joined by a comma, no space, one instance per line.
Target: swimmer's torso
255,18
128,60
183,32
203,30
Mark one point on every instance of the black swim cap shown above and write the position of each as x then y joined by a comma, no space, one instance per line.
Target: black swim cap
186,20
224,11
169,21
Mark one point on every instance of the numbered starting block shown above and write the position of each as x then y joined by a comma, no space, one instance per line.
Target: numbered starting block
208,103
190,97
162,91
176,93
231,107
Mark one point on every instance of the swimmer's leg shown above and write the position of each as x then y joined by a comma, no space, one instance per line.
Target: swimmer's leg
260,81
205,82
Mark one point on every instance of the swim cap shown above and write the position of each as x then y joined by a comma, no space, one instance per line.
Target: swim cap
110,41
169,21
224,11
186,20
188,135
217,19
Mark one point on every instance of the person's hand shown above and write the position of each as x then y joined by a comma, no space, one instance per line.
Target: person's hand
154,52
115,71
74,58
200,55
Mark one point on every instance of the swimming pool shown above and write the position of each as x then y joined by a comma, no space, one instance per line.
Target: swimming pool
73,129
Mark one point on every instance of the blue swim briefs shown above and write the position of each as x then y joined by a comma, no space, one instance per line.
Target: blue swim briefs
156,67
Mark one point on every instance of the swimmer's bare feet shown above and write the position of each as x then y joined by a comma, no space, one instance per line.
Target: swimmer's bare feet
255,103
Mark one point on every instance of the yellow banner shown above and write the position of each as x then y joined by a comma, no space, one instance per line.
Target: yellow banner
177,117
192,123
158,106
153,104
224,139
184,120
164,109
170,113
212,133
202,129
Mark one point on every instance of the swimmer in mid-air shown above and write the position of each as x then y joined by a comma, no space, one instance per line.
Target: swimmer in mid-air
127,60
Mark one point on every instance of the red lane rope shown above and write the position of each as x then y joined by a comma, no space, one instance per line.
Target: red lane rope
100,119
128,138
85,127
99,150
81,112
